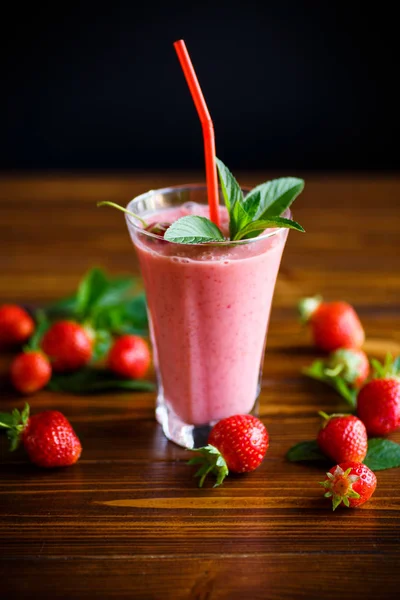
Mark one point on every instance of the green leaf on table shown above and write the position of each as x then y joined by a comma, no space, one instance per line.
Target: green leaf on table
65,308
275,196
90,381
231,190
317,371
305,451
193,229
42,325
128,317
382,454
90,289
256,227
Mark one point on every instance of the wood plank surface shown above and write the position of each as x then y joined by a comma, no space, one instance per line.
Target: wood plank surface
128,521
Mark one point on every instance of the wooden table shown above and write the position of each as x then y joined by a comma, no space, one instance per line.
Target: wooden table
128,520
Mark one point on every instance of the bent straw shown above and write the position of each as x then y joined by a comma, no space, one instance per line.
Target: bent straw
207,126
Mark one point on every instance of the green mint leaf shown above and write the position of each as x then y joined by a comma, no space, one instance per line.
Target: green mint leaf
193,229
92,286
238,219
256,227
251,203
128,317
91,381
42,325
305,451
65,308
382,454
230,188
115,292
275,196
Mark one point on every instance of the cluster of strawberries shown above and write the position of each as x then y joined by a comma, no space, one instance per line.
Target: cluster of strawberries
64,348
239,443
337,329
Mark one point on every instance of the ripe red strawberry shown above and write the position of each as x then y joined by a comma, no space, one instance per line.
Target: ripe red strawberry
333,324
343,437
16,326
47,437
68,346
351,364
378,402
237,444
349,484
30,372
129,357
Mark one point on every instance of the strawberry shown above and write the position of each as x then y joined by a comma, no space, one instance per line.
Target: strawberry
16,326
349,484
378,402
351,364
343,437
47,437
129,357
30,372
334,325
68,345
237,444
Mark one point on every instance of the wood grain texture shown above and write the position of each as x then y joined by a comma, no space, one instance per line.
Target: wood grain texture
128,520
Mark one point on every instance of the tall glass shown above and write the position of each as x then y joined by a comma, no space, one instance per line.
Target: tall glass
209,307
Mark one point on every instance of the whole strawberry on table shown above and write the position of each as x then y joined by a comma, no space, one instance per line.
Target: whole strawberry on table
48,437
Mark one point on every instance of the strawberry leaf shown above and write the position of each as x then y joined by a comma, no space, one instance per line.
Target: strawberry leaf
318,371
382,454
211,461
305,451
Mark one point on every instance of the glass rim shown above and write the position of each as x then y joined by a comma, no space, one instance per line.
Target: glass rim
195,186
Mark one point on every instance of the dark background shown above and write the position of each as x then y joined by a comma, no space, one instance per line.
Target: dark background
299,85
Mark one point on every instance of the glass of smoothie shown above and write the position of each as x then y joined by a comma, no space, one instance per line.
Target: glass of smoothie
209,306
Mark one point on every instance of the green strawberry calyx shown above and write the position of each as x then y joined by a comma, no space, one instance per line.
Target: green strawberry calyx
339,486
15,423
307,307
389,368
326,418
211,461
344,362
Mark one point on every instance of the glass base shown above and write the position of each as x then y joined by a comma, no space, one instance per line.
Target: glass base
179,432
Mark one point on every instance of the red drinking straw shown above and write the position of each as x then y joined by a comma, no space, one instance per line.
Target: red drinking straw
207,126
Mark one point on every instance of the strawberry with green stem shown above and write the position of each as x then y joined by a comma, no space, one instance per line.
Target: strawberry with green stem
333,325
343,438
236,444
378,403
346,370
47,437
349,484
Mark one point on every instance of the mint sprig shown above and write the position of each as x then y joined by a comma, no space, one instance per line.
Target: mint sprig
193,229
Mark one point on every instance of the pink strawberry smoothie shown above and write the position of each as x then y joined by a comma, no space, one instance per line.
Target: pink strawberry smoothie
209,307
